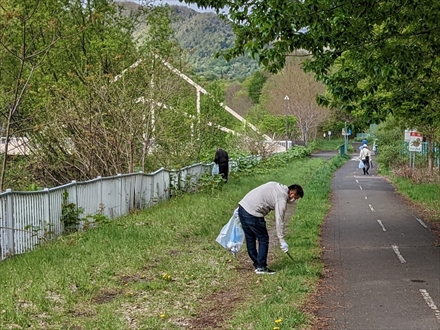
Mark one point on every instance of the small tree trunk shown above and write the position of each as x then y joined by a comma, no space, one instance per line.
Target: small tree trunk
5,155
131,158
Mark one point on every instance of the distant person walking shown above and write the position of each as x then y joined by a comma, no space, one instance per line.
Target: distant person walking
365,156
364,142
254,207
222,160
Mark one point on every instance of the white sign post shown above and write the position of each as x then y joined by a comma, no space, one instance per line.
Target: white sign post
329,135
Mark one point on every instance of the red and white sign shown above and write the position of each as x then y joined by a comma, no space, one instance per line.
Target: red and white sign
415,141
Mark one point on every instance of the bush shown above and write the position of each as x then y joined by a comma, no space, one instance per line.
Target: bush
390,144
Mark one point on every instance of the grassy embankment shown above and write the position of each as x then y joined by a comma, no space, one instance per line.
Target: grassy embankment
162,269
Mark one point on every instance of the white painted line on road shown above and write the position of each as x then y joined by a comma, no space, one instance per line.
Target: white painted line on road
381,224
366,197
360,187
399,256
357,181
421,222
371,208
430,303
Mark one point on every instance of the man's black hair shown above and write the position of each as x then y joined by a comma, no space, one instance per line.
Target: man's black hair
299,190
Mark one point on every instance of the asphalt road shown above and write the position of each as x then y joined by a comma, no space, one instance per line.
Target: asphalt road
382,261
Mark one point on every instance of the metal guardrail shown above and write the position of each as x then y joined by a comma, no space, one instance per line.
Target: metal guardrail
27,217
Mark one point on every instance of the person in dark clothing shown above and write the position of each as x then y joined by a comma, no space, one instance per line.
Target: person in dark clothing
222,160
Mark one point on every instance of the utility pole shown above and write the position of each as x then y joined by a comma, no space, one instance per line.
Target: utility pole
286,98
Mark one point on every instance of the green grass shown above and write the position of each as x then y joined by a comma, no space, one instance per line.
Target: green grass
326,144
162,269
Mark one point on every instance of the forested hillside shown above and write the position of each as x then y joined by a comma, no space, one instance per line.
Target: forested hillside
202,35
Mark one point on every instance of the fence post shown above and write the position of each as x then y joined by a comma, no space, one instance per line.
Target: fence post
75,198
164,186
141,191
75,193
100,204
152,198
120,193
10,222
46,210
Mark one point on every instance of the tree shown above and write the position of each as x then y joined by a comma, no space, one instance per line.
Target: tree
256,85
301,90
29,32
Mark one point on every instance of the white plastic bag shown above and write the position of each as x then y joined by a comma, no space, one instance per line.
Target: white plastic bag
231,236
361,164
215,169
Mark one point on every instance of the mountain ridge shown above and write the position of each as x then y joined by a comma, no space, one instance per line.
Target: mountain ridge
202,35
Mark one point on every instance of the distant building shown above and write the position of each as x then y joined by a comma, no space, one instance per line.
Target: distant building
16,146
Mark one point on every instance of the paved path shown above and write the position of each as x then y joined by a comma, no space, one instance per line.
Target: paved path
382,261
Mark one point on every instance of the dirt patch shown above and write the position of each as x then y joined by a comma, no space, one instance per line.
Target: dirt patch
126,279
220,305
106,296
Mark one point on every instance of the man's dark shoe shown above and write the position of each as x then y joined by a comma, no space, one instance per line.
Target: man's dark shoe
264,270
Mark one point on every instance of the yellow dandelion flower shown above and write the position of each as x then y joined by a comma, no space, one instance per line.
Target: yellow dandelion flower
276,328
278,321
162,316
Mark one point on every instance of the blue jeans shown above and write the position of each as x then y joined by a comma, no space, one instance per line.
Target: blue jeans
255,230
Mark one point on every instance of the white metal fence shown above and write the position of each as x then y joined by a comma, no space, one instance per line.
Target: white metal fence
26,217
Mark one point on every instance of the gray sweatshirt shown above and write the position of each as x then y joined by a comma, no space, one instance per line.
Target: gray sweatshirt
265,198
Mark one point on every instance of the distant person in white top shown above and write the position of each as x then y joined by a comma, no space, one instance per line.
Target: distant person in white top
254,207
363,143
365,156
